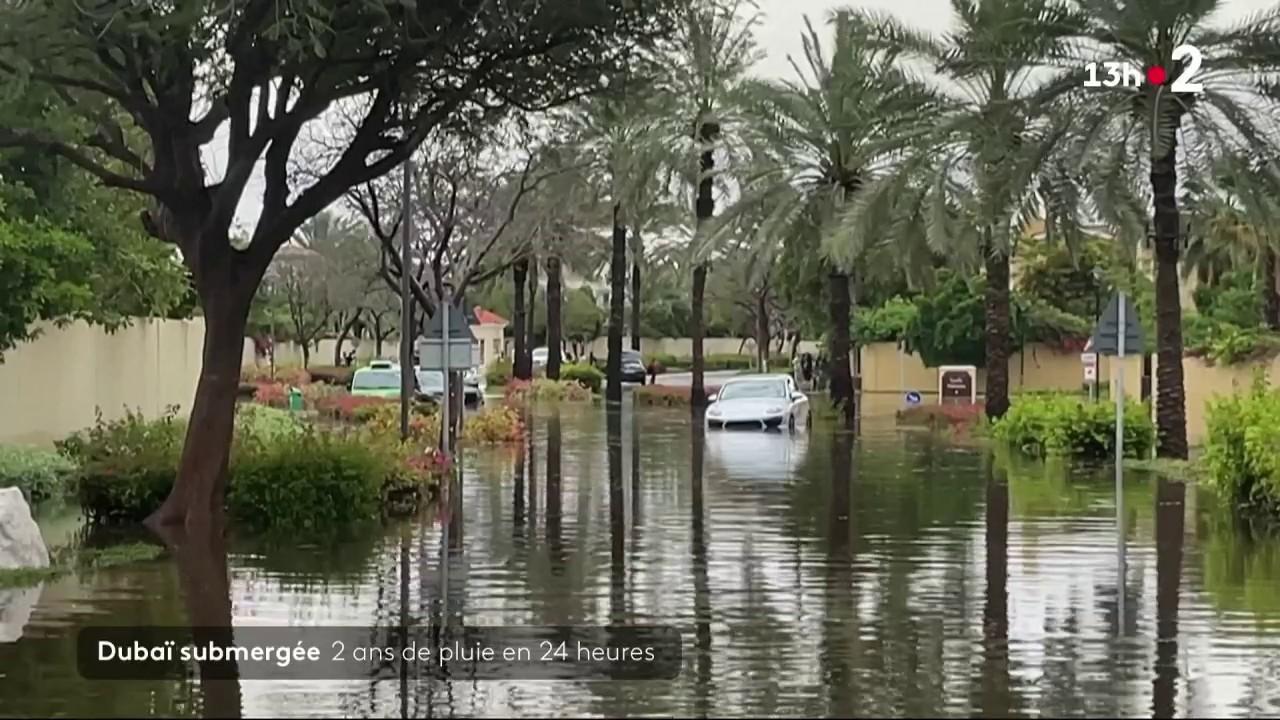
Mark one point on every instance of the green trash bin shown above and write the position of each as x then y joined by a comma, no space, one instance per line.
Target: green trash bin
295,400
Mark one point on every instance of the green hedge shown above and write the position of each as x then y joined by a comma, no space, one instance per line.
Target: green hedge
499,373
588,376
283,474
1242,451
1066,424
40,474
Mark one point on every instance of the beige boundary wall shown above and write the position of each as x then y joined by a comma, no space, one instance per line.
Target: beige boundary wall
50,387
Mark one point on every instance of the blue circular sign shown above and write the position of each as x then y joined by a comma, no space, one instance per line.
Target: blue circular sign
913,398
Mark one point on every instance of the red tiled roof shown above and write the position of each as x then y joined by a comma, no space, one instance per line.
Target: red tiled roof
488,317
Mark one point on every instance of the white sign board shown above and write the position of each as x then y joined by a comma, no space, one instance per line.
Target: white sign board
1091,373
1089,359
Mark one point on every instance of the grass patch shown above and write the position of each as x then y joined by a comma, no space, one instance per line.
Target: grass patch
64,561
1184,470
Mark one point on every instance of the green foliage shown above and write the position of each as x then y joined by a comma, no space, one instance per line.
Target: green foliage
1235,299
127,466
40,474
1075,284
1066,424
886,323
258,425
948,324
1242,451
82,558
499,372
727,361
307,481
545,390
44,278
585,374
1225,342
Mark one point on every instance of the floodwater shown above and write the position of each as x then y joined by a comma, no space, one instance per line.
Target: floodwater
898,573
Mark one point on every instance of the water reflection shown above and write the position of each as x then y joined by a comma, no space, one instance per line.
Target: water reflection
894,573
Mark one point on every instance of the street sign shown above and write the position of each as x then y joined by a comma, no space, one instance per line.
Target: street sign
957,384
1089,358
1105,339
913,398
1091,373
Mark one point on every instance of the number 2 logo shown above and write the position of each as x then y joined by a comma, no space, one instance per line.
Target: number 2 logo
1183,84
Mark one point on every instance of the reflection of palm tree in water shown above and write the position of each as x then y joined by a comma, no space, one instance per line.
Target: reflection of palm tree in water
701,587
617,520
994,696
1170,517
839,624
555,543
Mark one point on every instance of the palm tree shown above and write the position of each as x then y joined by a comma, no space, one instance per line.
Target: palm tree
841,124
1135,134
710,54
1231,213
983,180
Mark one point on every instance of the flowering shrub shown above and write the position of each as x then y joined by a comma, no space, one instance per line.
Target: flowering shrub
667,395
317,394
348,407
383,421
295,377
542,389
272,395
255,374
493,425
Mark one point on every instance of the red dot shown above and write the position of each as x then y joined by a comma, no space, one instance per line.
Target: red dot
1156,75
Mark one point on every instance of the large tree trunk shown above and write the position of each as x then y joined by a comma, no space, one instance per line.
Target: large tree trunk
762,331
635,295
554,302
1270,282
520,364
1171,415
997,330
842,395
342,338
198,493
704,208
617,308
306,353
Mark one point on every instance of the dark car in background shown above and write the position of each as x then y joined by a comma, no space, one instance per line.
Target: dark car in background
633,369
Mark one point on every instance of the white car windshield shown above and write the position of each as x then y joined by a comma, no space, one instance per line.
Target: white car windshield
771,390
376,380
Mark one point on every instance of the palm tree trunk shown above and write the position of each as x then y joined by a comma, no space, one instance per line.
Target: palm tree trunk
554,303
838,346
762,330
1171,414
520,366
1271,287
697,390
997,330
617,306
704,209
635,293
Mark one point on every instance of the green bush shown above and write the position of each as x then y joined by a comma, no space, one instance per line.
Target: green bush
127,466
1242,451
307,481
887,323
727,361
1065,424
588,376
40,474
499,373
667,362
259,424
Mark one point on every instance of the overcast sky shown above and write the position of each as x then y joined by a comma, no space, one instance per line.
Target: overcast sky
778,34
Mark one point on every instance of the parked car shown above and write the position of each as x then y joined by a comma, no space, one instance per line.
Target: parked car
633,369
759,402
539,356
431,385
380,378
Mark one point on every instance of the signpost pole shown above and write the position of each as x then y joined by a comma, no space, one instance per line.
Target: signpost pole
1119,391
446,420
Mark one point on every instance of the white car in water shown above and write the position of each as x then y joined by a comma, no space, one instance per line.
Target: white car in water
759,402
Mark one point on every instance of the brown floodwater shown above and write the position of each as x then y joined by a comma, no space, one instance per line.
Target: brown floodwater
898,573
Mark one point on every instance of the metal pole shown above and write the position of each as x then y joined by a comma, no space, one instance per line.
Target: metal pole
1119,394
446,419
406,302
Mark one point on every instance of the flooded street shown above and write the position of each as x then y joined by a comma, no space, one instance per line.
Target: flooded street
901,573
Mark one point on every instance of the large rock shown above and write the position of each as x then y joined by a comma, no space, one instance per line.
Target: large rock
21,545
